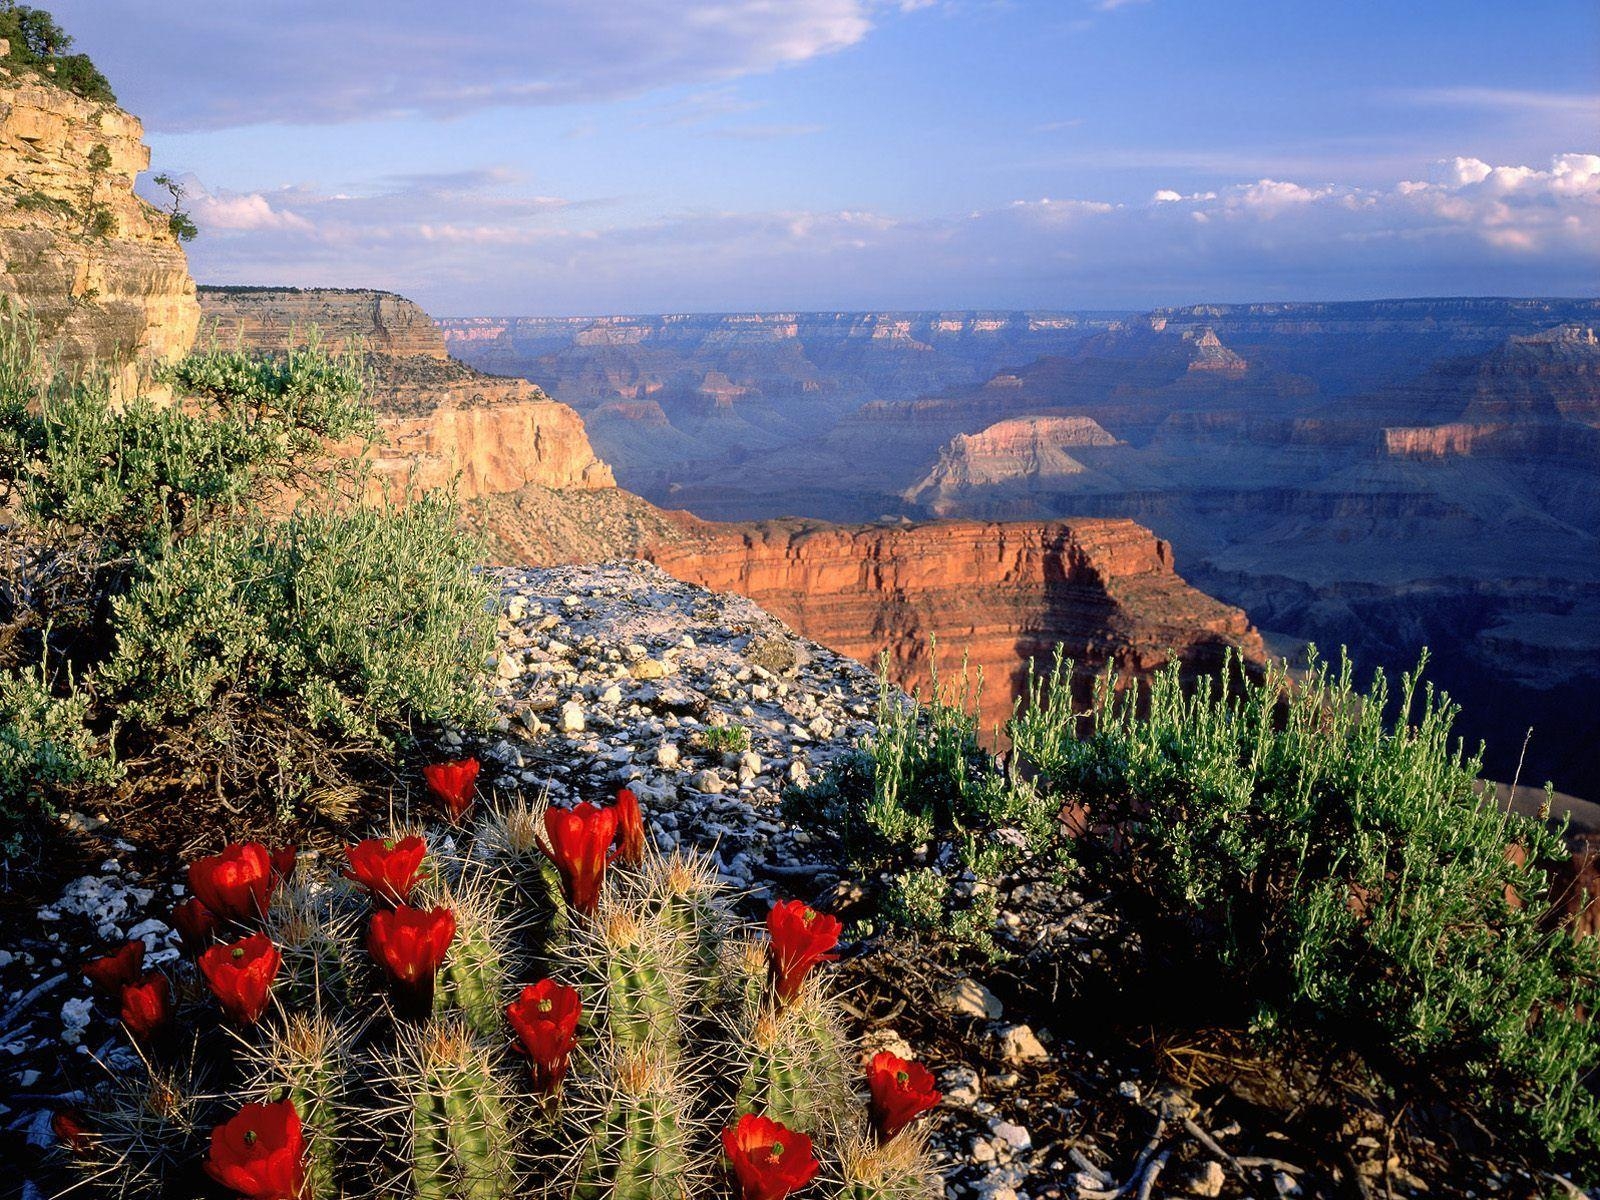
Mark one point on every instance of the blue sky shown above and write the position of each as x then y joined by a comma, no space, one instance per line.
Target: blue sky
577,156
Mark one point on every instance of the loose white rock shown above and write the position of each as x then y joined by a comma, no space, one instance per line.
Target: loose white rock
969,998
1018,1043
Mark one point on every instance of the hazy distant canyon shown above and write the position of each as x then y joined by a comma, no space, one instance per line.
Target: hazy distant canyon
1381,475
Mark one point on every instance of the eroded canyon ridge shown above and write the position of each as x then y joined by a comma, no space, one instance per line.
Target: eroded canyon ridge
1380,475
932,595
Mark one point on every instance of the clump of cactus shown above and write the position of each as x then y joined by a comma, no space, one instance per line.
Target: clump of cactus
534,1004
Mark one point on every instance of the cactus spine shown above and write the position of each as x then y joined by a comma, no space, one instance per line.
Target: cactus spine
461,1142
477,970
640,1147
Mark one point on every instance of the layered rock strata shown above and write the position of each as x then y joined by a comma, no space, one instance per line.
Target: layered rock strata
94,265
440,419
344,318
998,596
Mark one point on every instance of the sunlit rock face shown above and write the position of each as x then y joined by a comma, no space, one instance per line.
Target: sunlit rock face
95,266
996,597
441,420
1013,458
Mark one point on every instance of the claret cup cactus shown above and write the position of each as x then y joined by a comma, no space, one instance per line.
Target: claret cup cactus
534,1005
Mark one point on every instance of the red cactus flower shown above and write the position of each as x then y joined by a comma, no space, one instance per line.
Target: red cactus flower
580,846
67,1125
768,1159
630,828
546,1017
196,924
260,1153
454,783
801,938
147,1006
236,884
388,869
901,1092
284,862
240,976
410,945
113,972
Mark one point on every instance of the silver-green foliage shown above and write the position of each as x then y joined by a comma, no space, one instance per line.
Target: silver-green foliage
43,744
1333,856
187,603
359,621
923,802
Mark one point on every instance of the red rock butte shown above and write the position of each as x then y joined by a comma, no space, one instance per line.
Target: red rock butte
998,596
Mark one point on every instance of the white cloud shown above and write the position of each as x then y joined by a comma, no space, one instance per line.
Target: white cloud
472,242
223,65
1506,99
243,212
1271,195
1061,210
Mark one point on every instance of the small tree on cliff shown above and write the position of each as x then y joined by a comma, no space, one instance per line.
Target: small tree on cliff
179,223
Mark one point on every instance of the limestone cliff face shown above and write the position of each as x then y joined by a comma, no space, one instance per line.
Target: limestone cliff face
1003,594
92,263
1024,454
498,435
271,318
440,418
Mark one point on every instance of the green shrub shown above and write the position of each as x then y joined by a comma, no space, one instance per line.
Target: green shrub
137,478
1327,856
44,746
923,809
360,623
215,627
724,739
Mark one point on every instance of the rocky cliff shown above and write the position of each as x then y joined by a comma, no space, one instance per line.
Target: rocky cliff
440,418
271,318
999,595
93,264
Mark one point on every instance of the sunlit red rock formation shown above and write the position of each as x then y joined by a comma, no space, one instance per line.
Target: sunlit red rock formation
117,294
1000,594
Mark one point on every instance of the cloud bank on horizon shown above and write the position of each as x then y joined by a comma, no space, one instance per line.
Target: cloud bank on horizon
562,156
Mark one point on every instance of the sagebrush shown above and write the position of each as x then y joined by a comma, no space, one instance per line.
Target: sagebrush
929,816
1328,857
198,585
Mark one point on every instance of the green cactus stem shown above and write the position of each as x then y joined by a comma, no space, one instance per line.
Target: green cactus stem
461,1143
640,1148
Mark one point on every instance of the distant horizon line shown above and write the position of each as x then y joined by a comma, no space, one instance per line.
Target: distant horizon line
1002,311
896,311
